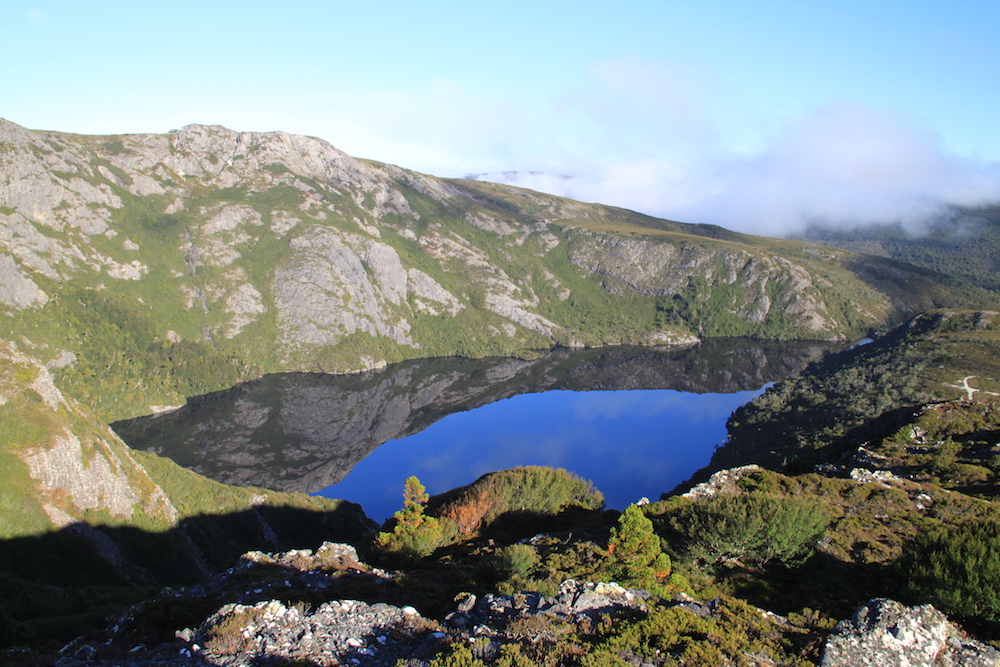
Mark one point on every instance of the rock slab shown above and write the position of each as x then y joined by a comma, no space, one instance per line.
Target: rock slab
885,633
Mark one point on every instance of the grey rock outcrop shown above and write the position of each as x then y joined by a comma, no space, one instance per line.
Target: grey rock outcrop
575,601
339,284
252,626
721,483
335,633
664,269
83,465
591,599
15,288
885,633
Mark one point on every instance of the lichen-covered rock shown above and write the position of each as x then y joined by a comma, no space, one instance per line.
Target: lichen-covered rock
720,483
335,633
330,555
885,633
576,600
585,598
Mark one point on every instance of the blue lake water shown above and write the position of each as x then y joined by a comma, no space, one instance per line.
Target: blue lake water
630,444
634,421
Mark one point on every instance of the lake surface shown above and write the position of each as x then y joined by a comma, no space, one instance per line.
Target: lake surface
636,421
630,444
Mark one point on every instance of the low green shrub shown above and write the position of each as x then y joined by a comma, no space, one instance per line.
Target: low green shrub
730,635
750,530
514,560
958,570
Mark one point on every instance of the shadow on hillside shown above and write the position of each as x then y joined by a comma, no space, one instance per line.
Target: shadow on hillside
831,586
65,583
62,585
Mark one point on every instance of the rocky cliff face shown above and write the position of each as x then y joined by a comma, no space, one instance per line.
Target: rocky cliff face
74,463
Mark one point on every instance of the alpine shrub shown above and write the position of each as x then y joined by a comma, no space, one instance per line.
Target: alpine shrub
750,530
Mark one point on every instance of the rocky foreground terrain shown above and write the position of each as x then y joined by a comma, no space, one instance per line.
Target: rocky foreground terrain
253,630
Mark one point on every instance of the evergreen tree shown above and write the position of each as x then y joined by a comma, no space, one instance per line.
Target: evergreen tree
414,534
636,559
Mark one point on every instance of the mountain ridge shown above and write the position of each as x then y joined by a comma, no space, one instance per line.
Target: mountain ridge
218,255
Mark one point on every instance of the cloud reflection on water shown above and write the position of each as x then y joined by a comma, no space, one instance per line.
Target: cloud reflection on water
629,443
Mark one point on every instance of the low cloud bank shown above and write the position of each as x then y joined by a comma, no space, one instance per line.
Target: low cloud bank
844,165
668,140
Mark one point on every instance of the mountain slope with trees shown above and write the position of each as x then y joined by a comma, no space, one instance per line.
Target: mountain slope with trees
149,268
960,242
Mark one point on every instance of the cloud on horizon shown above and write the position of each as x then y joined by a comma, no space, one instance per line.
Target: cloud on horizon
666,141
843,165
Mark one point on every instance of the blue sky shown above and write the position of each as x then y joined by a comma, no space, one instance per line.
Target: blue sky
757,116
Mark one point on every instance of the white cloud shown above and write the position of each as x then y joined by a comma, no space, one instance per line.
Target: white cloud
35,16
665,141
845,164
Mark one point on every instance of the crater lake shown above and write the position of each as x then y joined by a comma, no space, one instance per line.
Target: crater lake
635,421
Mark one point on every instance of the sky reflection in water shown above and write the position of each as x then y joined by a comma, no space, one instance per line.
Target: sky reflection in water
630,444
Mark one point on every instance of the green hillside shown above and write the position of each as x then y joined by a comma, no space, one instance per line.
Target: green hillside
827,412
149,268
962,242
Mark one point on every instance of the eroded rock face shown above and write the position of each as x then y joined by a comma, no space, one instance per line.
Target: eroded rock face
83,465
885,633
16,289
764,286
338,284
